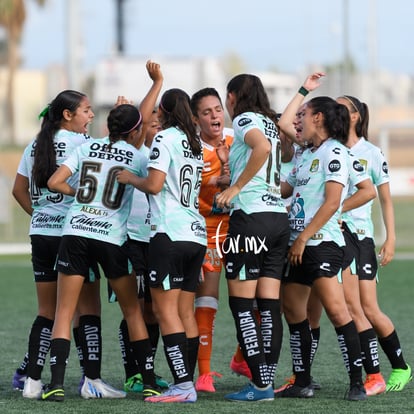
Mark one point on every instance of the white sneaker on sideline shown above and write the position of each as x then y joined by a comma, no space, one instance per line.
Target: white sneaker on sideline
32,388
180,393
99,389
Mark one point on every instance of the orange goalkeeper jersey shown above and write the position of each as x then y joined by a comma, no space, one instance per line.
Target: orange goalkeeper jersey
211,170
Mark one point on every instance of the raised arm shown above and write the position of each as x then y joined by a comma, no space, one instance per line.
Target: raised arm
148,103
285,123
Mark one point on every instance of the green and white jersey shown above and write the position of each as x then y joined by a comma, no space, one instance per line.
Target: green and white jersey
174,210
139,217
262,192
329,162
287,167
373,161
49,208
101,205
357,174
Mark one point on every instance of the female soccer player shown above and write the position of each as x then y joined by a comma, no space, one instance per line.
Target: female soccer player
360,280
95,228
178,238
208,113
64,127
318,184
256,244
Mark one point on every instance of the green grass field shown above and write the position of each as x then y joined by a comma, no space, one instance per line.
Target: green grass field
18,308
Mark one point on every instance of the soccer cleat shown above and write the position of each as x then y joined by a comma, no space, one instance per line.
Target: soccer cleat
150,391
80,385
18,381
96,388
315,385
205,382
398,379
295,391
53,393
288,381
180,393
356,392
161,382
134,384
374,384
32,388
252,393
240,368
291,380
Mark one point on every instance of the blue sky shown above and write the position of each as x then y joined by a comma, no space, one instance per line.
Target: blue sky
264,33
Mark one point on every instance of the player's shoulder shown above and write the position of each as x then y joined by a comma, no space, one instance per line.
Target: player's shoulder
29,148
333,147
64,135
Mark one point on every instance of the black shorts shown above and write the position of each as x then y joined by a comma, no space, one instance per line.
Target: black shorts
256,245
76,254
44,255
367,265
324,260
137,252
351,249
174,264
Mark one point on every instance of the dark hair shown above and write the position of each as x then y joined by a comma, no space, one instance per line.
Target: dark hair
122,120
44,164
335,116
175,107
199,95
361,127
250,96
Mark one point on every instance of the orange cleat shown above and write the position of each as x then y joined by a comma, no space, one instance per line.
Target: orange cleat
374,384
240,368
205,382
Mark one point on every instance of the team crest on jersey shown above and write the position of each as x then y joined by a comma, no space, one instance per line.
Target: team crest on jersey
364,164
385,167
334,166
315,166
244,121
358,167
155,153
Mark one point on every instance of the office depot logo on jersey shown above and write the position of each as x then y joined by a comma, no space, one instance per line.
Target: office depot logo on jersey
188,152
104,152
